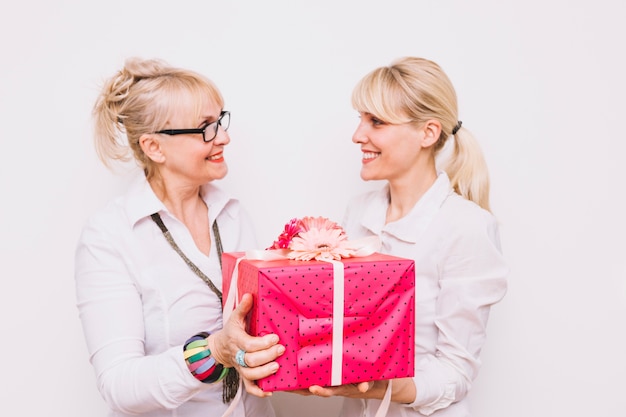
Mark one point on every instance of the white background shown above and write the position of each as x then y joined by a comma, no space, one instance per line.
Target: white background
540,83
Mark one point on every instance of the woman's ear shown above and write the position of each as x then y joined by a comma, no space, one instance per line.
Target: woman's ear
151,146
432,131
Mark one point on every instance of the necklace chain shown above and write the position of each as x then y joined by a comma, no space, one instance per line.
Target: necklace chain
218,242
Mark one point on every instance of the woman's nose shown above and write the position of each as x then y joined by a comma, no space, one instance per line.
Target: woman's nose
222,137
359,135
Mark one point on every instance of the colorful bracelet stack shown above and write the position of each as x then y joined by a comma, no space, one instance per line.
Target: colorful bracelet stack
200,362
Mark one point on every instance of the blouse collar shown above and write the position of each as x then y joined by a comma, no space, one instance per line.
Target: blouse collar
141,202
411,226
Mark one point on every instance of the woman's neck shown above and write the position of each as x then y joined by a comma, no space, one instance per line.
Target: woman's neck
186,204
404,193
183,201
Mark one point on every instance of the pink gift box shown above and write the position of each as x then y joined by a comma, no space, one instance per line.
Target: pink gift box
294,299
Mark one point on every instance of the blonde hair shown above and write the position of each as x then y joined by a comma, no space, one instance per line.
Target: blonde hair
140,99
415,90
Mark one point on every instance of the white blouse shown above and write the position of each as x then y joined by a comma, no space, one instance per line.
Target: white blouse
459,274
139,302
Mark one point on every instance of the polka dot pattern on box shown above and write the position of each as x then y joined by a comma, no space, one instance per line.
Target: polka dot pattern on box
294,299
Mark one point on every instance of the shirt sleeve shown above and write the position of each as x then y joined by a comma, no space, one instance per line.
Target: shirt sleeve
472,277
111,314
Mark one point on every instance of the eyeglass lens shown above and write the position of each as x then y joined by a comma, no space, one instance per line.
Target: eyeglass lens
223,121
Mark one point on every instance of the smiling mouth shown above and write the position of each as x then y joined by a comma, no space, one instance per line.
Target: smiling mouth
370,155
216,157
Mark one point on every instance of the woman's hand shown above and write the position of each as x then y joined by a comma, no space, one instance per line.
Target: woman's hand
349,390
403,390
370,389
260,352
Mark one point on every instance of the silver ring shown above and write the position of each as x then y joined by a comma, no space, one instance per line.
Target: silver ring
239,358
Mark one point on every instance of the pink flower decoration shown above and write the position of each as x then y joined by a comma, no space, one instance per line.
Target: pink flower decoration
320,244
313,238
308,223
284,239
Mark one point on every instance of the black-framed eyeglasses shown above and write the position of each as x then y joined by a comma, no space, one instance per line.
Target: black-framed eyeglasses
209,132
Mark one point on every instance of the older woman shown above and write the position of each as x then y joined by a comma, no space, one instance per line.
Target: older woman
148,265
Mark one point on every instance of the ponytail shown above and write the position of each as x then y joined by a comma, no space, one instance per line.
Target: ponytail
467,169
108,119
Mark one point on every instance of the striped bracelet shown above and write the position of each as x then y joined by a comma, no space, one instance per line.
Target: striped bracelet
199,360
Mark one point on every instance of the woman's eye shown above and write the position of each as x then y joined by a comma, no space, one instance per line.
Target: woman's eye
206,124
377,122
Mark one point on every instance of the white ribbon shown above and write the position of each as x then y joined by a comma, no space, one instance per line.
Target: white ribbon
365,246
386,402
337,341
233,293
